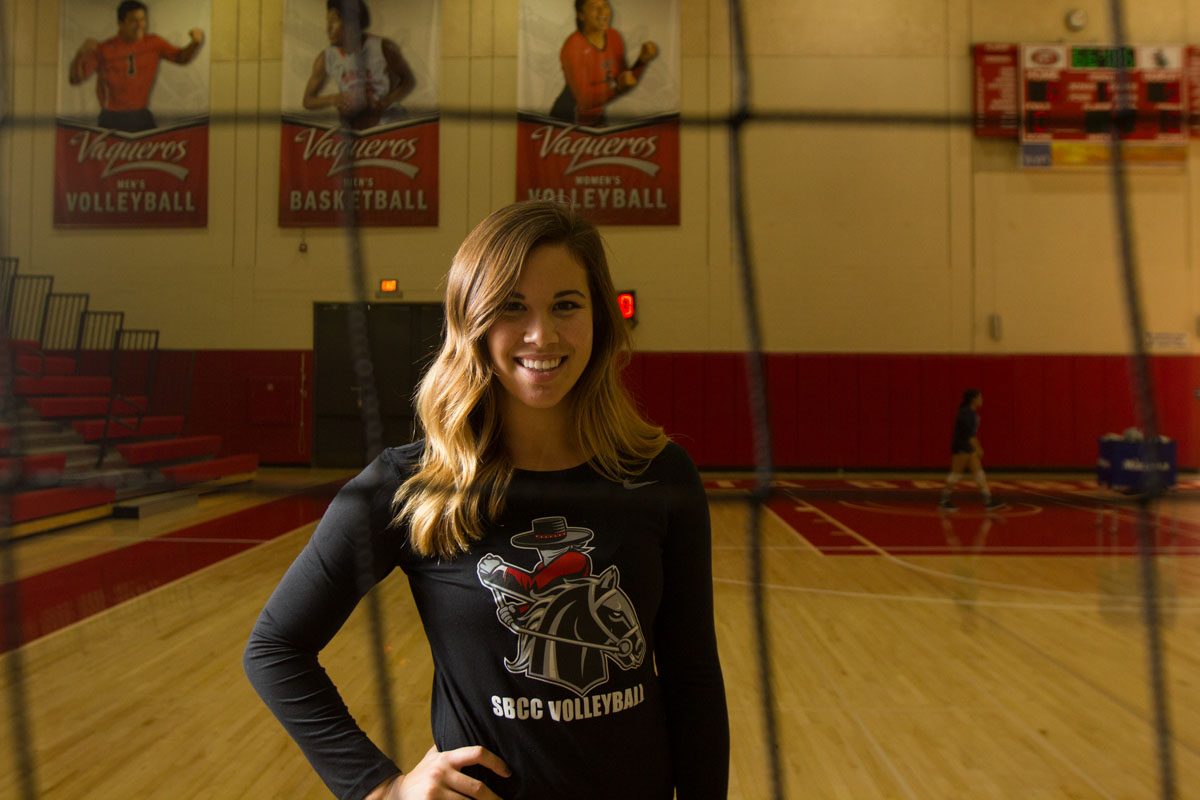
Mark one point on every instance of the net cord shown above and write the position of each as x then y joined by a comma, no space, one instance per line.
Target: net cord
760,416
736,123
368,397
20,732
1143,389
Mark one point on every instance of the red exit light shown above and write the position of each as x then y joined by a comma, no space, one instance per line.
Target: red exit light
627,302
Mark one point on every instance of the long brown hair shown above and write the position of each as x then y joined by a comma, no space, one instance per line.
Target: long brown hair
464,470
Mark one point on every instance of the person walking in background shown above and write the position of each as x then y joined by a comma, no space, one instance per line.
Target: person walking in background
966,453
126,66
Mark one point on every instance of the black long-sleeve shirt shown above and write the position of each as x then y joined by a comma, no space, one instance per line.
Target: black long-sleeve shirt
966,427
575,639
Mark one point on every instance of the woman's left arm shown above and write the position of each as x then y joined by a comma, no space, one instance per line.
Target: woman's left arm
686,646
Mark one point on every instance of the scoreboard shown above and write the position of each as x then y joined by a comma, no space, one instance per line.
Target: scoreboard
1064,103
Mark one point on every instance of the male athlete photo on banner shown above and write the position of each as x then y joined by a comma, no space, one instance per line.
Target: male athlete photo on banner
132,114
598,108
360,118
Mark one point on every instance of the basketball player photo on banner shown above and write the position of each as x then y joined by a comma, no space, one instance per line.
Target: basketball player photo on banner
133,114
360,113
598,108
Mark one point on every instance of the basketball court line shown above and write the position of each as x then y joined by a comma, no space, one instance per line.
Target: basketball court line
165,538
1115,699
807,507
68,594
146,596
1121,512
878,508
876,747
1057,536
804,540
1012,511
780,547
1039,488
881,552
1045,742
931,600
929,574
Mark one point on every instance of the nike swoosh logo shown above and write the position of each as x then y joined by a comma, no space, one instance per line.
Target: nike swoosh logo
626,483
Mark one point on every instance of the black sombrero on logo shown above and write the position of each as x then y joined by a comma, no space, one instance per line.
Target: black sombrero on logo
551,533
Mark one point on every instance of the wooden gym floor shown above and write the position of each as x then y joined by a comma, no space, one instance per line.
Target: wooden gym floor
915,655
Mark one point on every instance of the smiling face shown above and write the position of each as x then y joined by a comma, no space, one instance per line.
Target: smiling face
542,340
133,26
594,16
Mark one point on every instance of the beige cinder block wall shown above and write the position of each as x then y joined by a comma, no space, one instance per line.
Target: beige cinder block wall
867,237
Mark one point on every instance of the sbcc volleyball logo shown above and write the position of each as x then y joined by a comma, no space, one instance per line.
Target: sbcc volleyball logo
569,623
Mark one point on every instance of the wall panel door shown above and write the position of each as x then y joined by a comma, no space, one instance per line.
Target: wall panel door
402,337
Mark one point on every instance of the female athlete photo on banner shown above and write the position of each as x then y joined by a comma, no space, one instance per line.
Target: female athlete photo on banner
598,108
132,114
360,122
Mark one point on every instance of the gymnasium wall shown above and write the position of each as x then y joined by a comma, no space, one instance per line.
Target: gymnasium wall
882,245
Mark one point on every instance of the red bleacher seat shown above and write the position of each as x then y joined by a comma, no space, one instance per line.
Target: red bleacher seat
35,467
56,407
50,502
27,385
50,365
127,428
200,471
169,449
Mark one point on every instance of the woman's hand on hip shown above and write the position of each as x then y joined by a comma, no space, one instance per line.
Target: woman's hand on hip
439,776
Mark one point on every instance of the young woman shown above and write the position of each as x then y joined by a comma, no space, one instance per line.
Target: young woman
594,66
966,453
556,544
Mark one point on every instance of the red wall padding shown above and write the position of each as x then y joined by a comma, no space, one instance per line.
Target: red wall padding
258,401
826,410
897,411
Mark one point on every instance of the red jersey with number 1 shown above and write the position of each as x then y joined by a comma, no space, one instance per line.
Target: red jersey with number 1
127,70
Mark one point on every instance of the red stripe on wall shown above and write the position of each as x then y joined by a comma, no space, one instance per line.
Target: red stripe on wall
876,410
906,432
937,423
844,417
721,428
783,396
897,411
843,410
258,401
812,403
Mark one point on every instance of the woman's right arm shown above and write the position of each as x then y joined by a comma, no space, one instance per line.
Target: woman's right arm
351,550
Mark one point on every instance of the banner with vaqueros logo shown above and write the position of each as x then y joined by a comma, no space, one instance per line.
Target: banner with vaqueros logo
360,123
598,108
132,120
